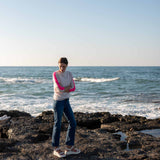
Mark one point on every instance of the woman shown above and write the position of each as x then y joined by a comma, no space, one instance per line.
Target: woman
63,85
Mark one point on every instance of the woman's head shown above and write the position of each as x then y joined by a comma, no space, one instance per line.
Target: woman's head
62,63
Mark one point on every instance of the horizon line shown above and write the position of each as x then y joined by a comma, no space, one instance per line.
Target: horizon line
89,66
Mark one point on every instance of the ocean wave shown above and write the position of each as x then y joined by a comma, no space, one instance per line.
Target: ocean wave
97,80
23,80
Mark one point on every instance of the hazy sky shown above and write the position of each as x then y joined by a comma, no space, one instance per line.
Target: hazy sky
88,32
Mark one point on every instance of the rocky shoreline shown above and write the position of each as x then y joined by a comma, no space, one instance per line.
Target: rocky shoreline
98,135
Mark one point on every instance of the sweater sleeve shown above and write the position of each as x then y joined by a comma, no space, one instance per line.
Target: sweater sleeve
56,81
72,85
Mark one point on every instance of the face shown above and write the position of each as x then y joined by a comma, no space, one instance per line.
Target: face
62,67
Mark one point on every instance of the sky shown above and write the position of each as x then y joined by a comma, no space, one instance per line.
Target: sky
87,32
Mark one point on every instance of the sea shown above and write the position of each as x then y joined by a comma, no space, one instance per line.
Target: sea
118,90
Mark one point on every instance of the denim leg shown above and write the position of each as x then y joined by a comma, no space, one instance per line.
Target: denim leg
58,112
72,123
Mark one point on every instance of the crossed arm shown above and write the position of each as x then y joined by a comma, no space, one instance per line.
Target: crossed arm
64,89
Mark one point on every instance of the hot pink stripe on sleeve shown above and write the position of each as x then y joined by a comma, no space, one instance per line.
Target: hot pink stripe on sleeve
72,89
55,78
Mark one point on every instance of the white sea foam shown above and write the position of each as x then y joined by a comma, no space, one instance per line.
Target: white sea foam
147,110
23,80
36,106
32,106
97,80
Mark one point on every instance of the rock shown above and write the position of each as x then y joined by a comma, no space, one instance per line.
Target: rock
106,118
45,128
115,118
26,137
133,144
133,119
90,121
40,137
3,132
108,127
14,113
117,136
7,145
46,116
123,145
10,133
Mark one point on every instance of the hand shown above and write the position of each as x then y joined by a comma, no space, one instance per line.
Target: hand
66,89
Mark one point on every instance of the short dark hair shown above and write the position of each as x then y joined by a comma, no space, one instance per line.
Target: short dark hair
63,60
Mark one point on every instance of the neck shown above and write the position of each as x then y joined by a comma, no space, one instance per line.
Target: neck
61,71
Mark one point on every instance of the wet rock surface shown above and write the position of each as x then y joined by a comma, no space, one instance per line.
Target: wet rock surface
23,137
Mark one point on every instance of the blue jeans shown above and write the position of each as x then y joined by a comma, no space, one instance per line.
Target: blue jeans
60,107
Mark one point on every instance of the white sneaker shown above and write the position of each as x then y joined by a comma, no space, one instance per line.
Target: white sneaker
59,153
72,150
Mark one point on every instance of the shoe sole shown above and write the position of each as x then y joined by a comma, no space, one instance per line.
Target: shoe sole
70,153
59,156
